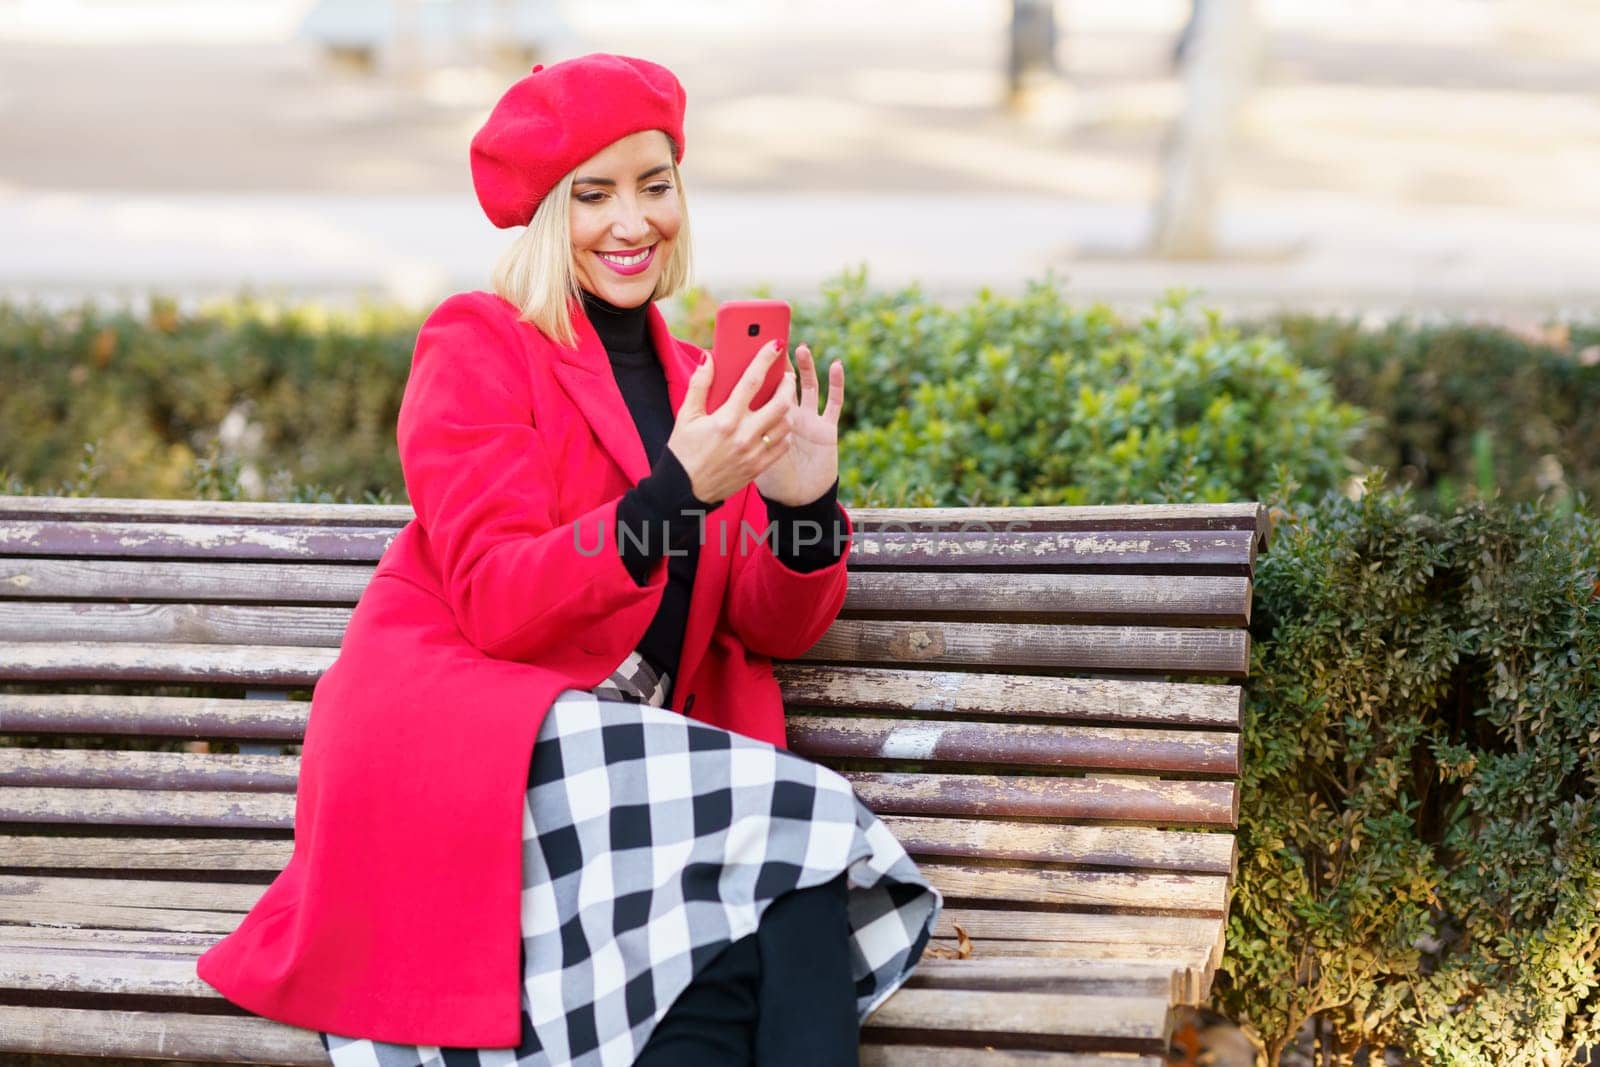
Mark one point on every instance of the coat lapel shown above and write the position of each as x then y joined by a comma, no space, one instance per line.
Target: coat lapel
585,373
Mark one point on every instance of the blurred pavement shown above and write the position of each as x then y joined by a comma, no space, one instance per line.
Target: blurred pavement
1437,158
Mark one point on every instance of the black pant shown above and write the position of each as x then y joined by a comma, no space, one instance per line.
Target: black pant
782,995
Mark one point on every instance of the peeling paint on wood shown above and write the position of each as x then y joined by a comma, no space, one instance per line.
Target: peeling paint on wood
143,579
1129,800
1145,649
1083,747
983,693
194,540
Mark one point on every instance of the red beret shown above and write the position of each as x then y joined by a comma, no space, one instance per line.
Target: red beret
557,117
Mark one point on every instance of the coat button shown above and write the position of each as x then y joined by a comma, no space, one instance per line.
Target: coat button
688,704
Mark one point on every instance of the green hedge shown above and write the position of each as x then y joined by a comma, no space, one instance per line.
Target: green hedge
1026,400
1033,400
1466,410
173,405
1420,820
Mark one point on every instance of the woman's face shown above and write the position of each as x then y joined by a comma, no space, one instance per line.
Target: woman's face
625,215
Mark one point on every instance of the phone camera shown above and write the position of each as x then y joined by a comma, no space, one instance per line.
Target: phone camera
755,328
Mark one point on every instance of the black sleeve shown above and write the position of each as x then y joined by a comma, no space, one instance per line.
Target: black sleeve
809,537
660,512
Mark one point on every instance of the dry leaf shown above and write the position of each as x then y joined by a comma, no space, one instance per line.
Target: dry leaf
961,951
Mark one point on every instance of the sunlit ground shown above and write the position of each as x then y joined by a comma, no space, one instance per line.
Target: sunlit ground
1437,153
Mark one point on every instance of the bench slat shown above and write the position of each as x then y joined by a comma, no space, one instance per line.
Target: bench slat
929,693
228,1038
147,807
117,917
1068,1020
1132,800
1139,848
1101,937
1137,800
113,929
133,941
1167,550
816,737
1140,1024
210,624
143,853
158,1035
1042,975
171,540
85,970
1099,889
1138,938
1173,892
314,626
1235,516
213,512
1228,551
963,693
40,577
1134,848
1163,932
1086,748
933,1056
91,769
1138,751
979,972
1198,600
1157,650
1130,649
147,716
1231,516
1078,1015
157,968
1099,951
184,896
1125,598
261,665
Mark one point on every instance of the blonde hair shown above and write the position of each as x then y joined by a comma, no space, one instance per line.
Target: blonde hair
536,273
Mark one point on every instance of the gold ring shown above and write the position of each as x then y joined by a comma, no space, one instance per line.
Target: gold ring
766,440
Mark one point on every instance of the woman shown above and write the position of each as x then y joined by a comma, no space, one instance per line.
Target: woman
543,813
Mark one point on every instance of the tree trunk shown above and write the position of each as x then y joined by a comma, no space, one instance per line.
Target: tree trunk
1219,65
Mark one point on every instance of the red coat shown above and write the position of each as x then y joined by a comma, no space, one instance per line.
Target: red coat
398,916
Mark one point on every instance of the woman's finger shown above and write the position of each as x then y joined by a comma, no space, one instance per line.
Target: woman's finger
835,392
808,378
767,449
694,397
776,410
750,381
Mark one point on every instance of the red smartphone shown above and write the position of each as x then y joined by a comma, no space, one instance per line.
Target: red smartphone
743,326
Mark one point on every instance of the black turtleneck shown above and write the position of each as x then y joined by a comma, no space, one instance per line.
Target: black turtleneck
661,517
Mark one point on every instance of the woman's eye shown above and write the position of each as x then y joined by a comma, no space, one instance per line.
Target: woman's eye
591,197
659,189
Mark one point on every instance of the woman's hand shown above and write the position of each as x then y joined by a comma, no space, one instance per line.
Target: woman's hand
721,452
809,454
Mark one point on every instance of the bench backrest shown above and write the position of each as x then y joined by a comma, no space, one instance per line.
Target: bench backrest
1032,697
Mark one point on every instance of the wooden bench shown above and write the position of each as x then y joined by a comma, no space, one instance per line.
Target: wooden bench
1001,691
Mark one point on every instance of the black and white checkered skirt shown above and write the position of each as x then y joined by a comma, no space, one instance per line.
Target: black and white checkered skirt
650,844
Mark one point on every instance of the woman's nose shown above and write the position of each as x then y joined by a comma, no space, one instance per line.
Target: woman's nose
630,222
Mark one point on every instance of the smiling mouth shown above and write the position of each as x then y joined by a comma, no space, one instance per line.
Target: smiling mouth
627,259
